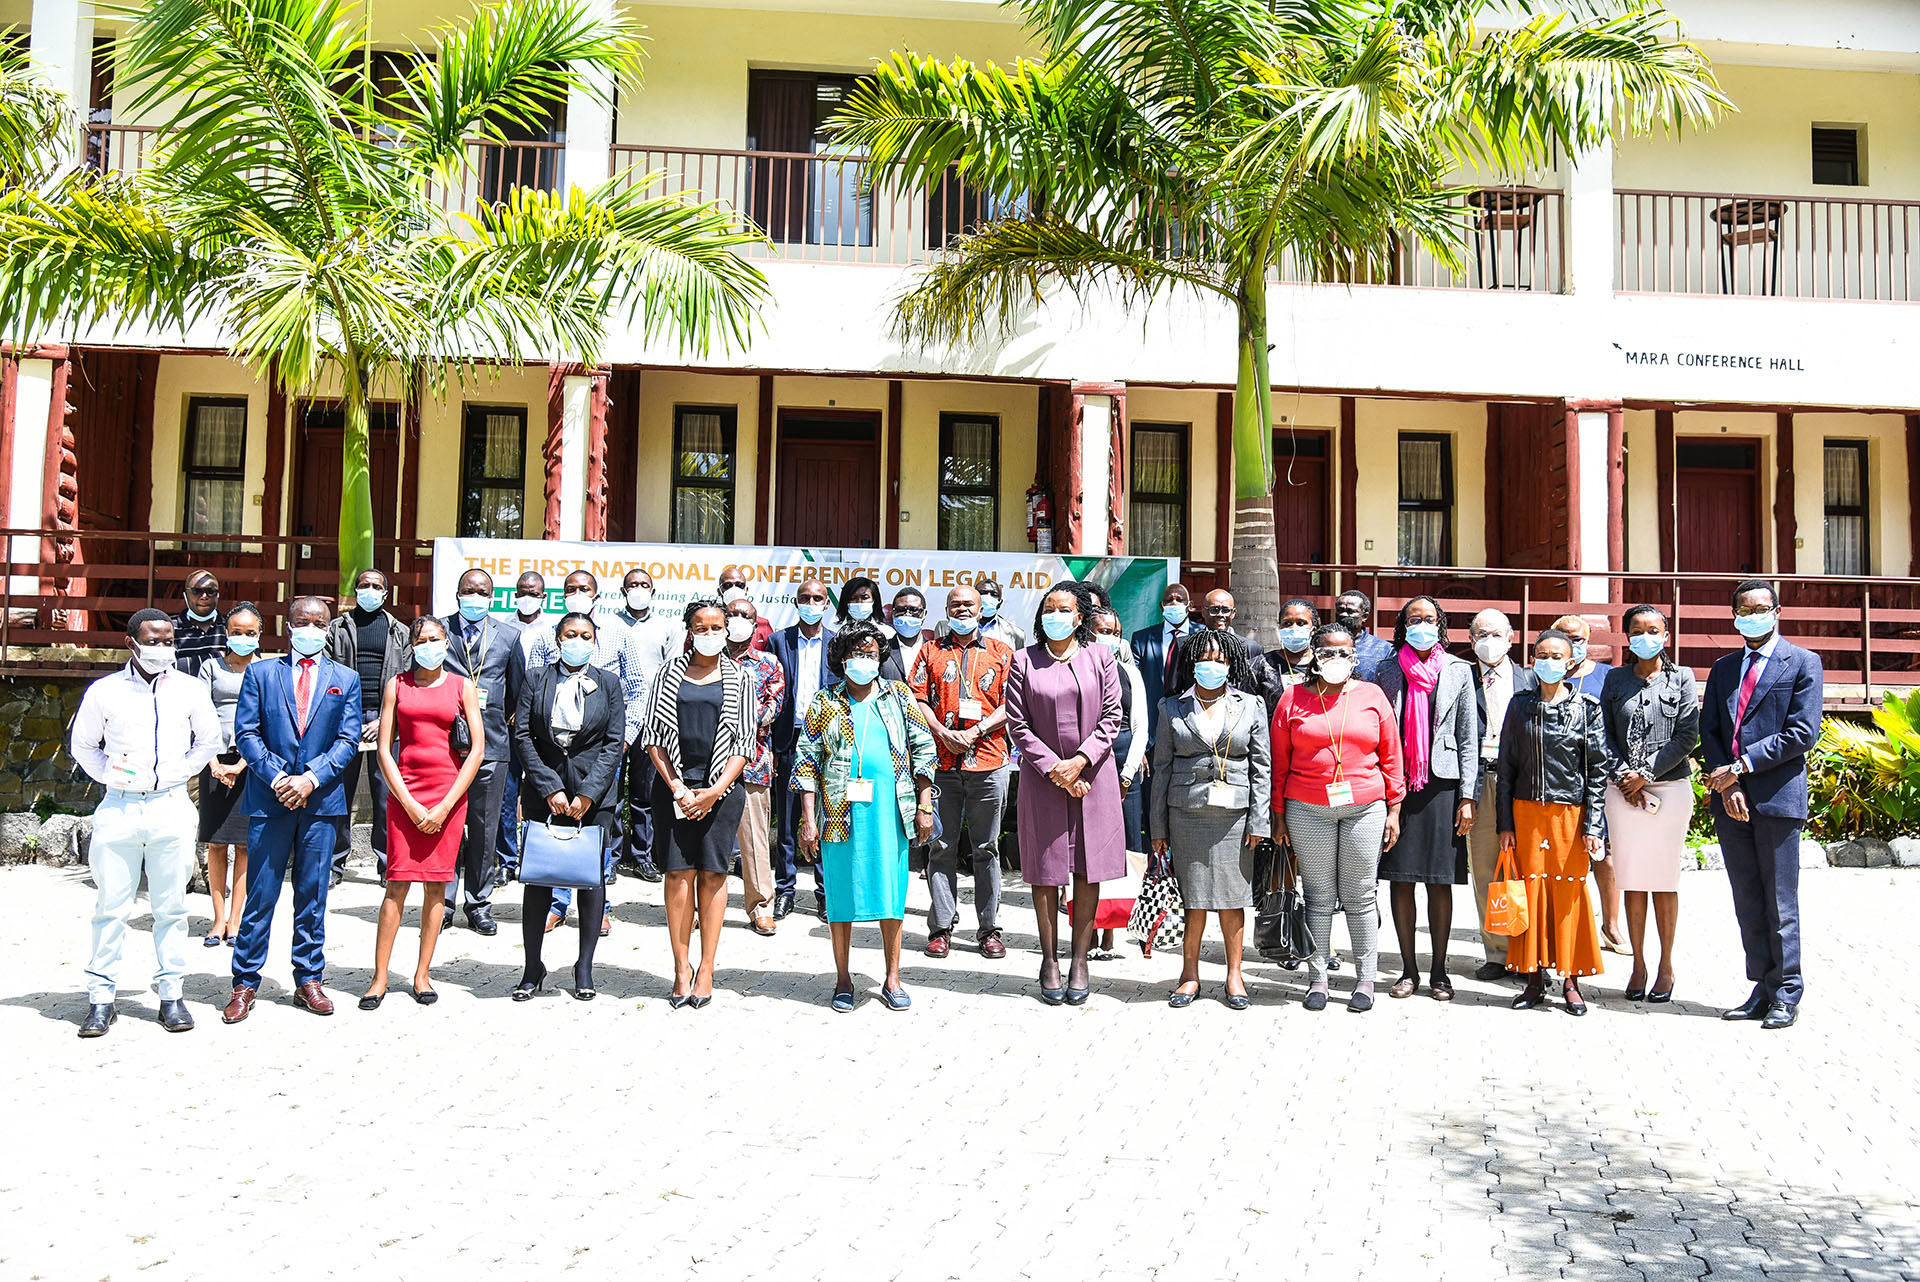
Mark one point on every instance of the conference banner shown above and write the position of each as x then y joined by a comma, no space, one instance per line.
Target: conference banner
682,573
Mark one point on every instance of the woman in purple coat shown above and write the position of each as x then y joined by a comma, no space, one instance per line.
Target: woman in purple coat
1063,709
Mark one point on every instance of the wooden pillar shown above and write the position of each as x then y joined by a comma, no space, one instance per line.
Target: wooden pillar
1069,456
1616,498
1786,528
274,492
1663,468
60,485
1119,435
1349,483
895,395
140,509
623,449
1492,491
550,450
1223,489
594,518
1913,500
410,412
9,397
763,465
1570,424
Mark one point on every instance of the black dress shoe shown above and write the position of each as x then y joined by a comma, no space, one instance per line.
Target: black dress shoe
1755,1007
1490,971
1781,1015
174,1017
782,905
98,1017
481,920
820,905
649,871
446,918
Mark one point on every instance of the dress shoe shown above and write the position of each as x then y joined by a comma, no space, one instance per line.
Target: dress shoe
820,905
239,1005
650,871
1656,998
174,1017
1078,996
991,948
1361,1002
446,918
529,984
499,876
763,924
782,905
937,946
99,1016
311,996
333,882
1755,1007
1316,999
1490,971
480,918
1781,1015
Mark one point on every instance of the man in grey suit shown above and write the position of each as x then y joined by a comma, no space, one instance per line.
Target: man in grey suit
486,650
1496,679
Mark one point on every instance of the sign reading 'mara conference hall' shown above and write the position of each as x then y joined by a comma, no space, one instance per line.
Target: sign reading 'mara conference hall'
1717,360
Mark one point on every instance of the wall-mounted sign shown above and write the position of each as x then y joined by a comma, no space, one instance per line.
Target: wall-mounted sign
1714,360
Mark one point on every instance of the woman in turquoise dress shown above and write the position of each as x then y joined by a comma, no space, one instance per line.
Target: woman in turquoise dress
864,774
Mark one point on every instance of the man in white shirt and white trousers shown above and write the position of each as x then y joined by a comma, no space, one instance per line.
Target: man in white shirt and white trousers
143,732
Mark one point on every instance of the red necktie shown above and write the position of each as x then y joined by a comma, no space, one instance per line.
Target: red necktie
303,693
1173,651
1747,684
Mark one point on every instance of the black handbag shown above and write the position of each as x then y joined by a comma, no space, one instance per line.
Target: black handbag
1280,931
460,738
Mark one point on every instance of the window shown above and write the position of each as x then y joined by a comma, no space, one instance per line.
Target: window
812,202
1846,501
969,483
1426,499
1157,490
493,473
216,455
1836,156
703,439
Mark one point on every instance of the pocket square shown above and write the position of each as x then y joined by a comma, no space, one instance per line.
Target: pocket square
333,689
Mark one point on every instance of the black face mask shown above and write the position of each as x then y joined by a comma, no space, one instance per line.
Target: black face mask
1352,620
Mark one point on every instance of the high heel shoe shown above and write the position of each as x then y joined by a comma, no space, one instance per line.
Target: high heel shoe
1078,996
699,1003
1051,996
1635,994
1532,995
1571,995
529,985
677,1000
1659,996
584,994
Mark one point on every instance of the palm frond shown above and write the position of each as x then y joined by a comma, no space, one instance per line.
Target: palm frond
33,117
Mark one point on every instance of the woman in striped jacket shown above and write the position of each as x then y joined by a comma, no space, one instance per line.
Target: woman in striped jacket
700,732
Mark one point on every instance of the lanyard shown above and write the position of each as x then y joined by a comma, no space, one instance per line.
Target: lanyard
473,662
860,732
1337,740
1223,739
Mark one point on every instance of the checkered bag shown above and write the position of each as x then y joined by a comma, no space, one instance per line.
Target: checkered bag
1159,918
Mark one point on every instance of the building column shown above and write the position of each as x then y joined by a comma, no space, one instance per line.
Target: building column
589,148
1596,490
1591,246
1786,526
25,451
1081,523
569,413
594,516
60,47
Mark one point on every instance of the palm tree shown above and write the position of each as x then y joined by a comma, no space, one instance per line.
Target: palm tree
32,118
1168,145
300,200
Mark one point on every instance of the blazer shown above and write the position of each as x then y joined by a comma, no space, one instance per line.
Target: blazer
497,668
1523,679
265,734
1781,726
893,659
785,648
1670,708
1185,767
590,765
823,763
1150,656
738,733
1454,752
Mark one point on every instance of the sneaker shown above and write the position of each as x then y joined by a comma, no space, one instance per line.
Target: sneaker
937,946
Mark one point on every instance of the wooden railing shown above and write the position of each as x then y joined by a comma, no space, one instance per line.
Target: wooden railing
1737,243
1515,240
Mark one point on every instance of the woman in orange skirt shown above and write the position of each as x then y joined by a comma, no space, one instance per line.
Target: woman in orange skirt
1552,776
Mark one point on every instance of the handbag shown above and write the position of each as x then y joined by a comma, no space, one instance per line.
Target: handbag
1114,911
1506,898
1280,930
557,854
1159,916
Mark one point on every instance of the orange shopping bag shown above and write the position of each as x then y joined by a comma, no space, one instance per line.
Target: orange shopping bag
1506,898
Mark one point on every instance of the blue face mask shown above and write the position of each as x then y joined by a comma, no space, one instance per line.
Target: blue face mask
1756,625
1551,671
1057,624
1296,637
575,651
861,670
964,626
474,608
860,611
811,612
1175,613
989,607
1579,653
243,646
308,640
200,616
430,654
1647,645
1423,636
370,599
908,626
1209,674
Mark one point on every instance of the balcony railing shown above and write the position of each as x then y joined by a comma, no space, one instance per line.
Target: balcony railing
1734,243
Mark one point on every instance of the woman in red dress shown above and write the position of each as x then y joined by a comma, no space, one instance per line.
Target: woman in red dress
427,812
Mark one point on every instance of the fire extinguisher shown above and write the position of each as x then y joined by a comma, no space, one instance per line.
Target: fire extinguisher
1040,518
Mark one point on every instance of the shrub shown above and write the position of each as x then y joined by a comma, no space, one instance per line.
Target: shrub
1865,780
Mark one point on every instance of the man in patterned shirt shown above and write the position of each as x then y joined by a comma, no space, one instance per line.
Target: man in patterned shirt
960,678
770,690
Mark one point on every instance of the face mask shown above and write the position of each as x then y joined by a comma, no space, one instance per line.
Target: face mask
1116,644
729,595
370,599
1755,625
1210,674
154,658
860,611
308,639
1296,637
964,625
1579,653
1175,613
1550,671
1423,636
989,607
1058,625
710,643
908,626
199,617
1352,621
739,629
474,608
575,651
1335,671
528,606
1647,645
430,654
580,602
862,670
1492,649
639,599
811,613
243,646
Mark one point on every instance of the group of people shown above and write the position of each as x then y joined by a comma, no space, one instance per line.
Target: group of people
687,745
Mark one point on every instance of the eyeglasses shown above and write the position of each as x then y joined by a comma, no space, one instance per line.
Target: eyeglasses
1329,654
732,583
204,589
908,611
1748,611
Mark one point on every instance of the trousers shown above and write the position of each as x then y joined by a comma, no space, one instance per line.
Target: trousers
1339,852
1763,869
474,872
365,764
786,808
754,838
977,799
636,838
297,845
134,831
1483,852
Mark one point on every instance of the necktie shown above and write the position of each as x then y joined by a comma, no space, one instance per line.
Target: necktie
1747,683
1173,651
303,693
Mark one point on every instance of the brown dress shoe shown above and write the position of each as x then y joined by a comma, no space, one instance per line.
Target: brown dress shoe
762,924
239,1006
991,948
313,997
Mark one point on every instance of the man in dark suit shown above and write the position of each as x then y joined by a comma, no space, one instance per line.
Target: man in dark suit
298,727
1155,652
908,617
486,651
1496,679
1759,718
801,651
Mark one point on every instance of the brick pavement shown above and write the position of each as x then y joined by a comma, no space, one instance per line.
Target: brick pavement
981,1134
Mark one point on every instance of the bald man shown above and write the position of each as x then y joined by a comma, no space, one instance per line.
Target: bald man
1497,678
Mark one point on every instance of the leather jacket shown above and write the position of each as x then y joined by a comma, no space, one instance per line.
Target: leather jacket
1553,753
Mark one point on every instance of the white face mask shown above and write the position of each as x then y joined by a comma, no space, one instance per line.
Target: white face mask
528,606
1492,649
580,602
1116,644
739,629
733,594
639,599
154,659
1335,671
709,643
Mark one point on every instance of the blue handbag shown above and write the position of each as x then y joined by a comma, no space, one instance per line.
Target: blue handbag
558,854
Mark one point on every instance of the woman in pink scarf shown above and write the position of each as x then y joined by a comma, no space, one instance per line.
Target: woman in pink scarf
1433,698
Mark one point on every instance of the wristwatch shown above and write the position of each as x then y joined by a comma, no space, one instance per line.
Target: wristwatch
1737,767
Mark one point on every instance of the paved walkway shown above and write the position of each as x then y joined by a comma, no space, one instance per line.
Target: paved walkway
979,1135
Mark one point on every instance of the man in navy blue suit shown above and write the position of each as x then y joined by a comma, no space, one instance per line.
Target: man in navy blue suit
1759,718
298,727
1153,651
801,651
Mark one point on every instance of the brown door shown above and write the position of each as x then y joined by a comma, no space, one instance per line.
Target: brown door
112,458
316,481
829,481
1301,509
1717,497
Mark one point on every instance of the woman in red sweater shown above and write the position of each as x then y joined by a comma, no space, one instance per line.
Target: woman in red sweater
1337,787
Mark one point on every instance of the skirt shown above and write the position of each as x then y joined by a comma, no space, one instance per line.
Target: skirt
1552,856
696,845
1648,850
222,822
1211,858
1429,850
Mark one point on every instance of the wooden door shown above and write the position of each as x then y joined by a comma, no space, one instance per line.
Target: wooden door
316,481
1301,509
781,114
829,481
1717,501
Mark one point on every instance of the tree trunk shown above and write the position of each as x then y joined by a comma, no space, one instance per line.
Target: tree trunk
356,487
1256,579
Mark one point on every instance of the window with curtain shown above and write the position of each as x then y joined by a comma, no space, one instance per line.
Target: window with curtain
1157,490
703,453
1426,499
215,464
493,484
969,482
1846,506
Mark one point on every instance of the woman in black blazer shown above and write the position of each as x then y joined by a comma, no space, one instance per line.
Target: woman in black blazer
570,728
